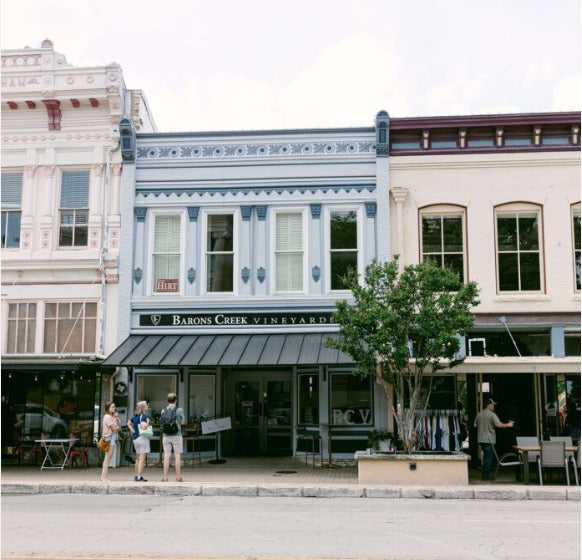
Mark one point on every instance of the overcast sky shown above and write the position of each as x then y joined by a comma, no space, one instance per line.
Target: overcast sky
259,64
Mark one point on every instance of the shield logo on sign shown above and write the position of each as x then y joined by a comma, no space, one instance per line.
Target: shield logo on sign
156,320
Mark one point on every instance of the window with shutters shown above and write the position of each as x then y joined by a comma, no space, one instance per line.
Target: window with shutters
167,253
220,252
519,248
74,209
442,238
343,243
21,328
576,243
289,252
70,327
11,210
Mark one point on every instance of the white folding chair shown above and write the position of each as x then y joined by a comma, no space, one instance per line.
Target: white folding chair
570,455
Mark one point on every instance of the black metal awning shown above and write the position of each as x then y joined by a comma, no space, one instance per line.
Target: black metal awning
226,350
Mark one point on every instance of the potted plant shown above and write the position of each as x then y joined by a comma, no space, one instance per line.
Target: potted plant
379,440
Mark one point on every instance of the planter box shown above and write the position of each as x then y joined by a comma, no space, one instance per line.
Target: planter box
414,469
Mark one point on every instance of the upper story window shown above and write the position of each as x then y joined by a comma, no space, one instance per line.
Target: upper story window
74,209
519,254
220,253
21,328
11,200
343,234
576,243
289,251
70,327
443,239
167,253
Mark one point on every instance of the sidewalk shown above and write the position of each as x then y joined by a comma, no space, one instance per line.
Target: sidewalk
273,476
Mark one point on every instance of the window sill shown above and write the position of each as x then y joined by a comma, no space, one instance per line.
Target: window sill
522,297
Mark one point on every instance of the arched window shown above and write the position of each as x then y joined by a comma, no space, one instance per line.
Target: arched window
519,247
442,237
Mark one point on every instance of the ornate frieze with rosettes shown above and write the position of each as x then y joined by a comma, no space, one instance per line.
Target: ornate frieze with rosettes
254,150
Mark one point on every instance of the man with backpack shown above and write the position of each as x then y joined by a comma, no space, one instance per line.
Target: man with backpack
171,420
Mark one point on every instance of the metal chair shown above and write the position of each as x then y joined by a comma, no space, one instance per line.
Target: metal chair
507,460
526,441
553,455
311,439
570,455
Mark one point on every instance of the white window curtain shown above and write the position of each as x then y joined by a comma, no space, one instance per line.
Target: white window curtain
166,249
289,252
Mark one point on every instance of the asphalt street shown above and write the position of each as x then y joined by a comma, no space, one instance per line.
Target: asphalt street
64,526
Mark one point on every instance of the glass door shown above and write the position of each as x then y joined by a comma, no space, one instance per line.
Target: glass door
260,405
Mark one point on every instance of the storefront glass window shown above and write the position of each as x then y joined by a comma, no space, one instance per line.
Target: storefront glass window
48,405
351,400
308,399
201,398
154,389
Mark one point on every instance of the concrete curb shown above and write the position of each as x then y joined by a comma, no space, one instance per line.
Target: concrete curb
554,493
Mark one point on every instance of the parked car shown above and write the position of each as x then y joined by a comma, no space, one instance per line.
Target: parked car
37,418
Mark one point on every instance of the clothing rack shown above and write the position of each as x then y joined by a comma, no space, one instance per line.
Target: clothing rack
438,429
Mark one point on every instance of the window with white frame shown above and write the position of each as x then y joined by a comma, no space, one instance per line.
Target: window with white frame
220,253
343,246
11,211
70,327
167,253
443,240
21,328
74,209
289,251
576,243
519,255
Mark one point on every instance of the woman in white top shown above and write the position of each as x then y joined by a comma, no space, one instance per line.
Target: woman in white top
109,432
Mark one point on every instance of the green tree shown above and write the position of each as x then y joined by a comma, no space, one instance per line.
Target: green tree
400,328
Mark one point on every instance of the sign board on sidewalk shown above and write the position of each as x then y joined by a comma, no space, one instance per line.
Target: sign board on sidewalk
216,425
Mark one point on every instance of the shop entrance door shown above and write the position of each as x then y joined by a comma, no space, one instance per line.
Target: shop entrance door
260,407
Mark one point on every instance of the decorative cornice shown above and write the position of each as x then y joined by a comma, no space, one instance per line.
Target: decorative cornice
399,194
193,213
246,212
315,210
261,213
370,209
140,214
287,149
223,190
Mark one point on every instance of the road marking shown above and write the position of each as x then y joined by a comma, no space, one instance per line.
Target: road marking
557,522
135,556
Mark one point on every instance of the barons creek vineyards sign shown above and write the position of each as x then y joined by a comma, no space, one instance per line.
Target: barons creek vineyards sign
235,319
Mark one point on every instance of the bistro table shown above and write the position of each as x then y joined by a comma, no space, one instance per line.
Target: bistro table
63,445
527,449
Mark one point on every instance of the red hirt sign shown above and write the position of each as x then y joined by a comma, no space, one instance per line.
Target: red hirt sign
167,285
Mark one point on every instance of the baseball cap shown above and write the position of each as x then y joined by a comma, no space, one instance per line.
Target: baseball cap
489,401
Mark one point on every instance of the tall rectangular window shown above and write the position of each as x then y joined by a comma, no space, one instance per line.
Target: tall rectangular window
289,252
167,254
70,327
442,242
518,251
350,399
11,211
74,209
307,399
21,328
576,241
343,228
220,253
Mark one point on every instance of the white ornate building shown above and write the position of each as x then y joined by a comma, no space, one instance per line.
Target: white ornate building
61,168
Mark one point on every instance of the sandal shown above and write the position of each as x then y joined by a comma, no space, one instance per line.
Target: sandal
180,479
164,480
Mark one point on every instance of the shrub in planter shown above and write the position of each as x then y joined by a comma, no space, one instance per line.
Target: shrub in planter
379,440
